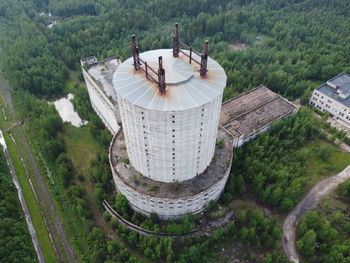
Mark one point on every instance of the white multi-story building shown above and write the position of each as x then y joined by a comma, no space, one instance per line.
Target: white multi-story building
334,97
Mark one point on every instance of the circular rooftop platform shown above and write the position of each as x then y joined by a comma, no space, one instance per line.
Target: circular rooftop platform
171,200
214,173
177,70
185,89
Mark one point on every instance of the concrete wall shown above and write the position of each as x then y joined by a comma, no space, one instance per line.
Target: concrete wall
170,145
101,104
170,208
327,104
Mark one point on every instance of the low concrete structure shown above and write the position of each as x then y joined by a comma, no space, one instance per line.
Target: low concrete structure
334,97
98,78
171,200
251,113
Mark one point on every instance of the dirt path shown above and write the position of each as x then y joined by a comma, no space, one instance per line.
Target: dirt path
319,191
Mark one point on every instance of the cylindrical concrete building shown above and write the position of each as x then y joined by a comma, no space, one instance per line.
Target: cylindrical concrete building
171,136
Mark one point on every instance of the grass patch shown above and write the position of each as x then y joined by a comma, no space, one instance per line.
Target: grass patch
34,210
71,86
319,167
3,122
81,147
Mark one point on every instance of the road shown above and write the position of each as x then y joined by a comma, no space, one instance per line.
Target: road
319,191
57,233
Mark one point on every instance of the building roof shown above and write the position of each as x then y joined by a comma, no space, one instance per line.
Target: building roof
185,87
102,72
253,111
337,88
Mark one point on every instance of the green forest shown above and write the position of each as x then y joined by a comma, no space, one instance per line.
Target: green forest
324,233
292,46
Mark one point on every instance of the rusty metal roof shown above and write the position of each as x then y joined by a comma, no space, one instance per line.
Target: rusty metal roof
185,87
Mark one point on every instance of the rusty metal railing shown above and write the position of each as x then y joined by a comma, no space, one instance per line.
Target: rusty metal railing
204,56
139,64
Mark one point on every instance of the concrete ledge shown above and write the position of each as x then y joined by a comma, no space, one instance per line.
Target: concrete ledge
170,200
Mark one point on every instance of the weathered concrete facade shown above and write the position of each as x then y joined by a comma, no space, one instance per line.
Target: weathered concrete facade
170,146
98,86
170,137
171,200
164,159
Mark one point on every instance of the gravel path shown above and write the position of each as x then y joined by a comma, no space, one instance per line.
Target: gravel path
319,191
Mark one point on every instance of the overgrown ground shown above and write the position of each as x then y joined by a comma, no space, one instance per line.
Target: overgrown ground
34,209
324,233
81,148
324,159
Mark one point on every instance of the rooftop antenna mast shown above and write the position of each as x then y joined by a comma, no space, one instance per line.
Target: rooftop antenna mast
176,44
161,75
204,57
135,53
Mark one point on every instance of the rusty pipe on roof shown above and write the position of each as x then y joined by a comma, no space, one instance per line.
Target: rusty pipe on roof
176,43
161,75
204,59
135,53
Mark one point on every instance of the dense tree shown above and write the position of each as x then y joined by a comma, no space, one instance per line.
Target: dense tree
324,233
270,167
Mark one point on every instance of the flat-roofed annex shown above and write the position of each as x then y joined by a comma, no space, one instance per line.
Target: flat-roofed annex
254,110
102,73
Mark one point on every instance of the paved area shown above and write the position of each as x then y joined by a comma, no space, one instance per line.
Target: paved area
340,125
319,191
